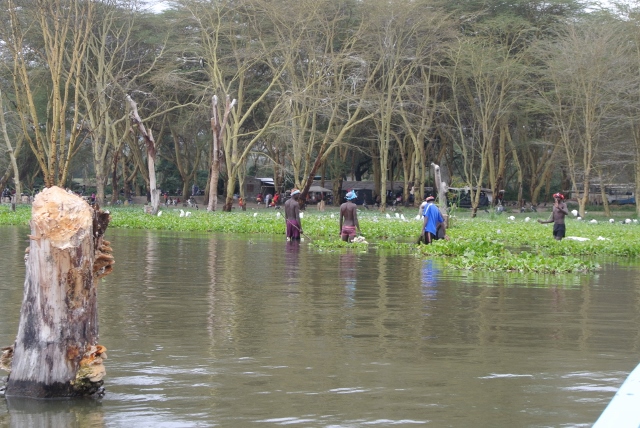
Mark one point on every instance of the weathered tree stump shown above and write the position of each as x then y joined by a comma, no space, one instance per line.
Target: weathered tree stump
56,353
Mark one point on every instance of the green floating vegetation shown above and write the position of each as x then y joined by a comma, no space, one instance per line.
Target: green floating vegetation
19,217
338,245
523,262
489,243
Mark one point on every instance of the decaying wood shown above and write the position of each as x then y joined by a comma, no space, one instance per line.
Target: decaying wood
150,143
56,353
441,186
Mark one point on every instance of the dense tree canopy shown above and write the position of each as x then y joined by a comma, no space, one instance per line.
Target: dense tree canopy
525,96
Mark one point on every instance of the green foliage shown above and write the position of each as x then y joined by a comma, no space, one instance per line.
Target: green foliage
481,244
338,245
20,217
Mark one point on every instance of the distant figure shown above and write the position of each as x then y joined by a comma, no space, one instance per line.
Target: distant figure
557,216
432,222
349,218
266,200
321,203
259,198
292,216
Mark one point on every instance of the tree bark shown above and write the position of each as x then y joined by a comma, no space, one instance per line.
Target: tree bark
442,193
56,353
151,153
12,157
218,128
215,159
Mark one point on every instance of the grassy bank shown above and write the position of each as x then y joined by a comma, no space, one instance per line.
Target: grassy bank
489,242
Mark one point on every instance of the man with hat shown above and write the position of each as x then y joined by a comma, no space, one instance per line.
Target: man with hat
292,216
557,216
349,218
423,205
431,220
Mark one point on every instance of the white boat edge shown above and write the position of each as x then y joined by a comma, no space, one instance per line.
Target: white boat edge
622,411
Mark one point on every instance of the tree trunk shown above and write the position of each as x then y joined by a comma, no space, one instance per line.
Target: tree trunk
215,160
12,157
218,128
56,353
442,193
603,196
150,143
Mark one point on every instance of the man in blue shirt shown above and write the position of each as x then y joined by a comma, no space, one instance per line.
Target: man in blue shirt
431,218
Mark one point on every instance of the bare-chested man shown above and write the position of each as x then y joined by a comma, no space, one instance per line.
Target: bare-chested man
557,216
292,216
349,218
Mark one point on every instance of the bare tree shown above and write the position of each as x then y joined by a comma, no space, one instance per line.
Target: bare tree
51,35
100,94
407,38
484,78
150,145
584,71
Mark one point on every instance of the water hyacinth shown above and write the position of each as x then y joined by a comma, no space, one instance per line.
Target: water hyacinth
475,244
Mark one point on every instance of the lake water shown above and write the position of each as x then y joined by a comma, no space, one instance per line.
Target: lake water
210,330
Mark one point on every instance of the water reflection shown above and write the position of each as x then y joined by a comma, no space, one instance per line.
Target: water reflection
206,330
57,413
429,280
348,275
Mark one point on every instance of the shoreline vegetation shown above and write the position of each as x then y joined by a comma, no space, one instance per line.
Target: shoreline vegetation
491,242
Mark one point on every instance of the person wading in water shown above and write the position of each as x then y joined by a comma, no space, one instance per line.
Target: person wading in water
557,217
349,218
292,216
431,221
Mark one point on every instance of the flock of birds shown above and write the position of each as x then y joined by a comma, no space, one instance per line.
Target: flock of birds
183,213
401,217
578,218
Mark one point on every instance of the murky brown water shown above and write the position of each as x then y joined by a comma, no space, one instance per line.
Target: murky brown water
206,330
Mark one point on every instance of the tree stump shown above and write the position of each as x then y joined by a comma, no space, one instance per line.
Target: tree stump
56,353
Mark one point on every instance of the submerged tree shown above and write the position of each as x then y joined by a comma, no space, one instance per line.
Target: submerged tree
56,352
